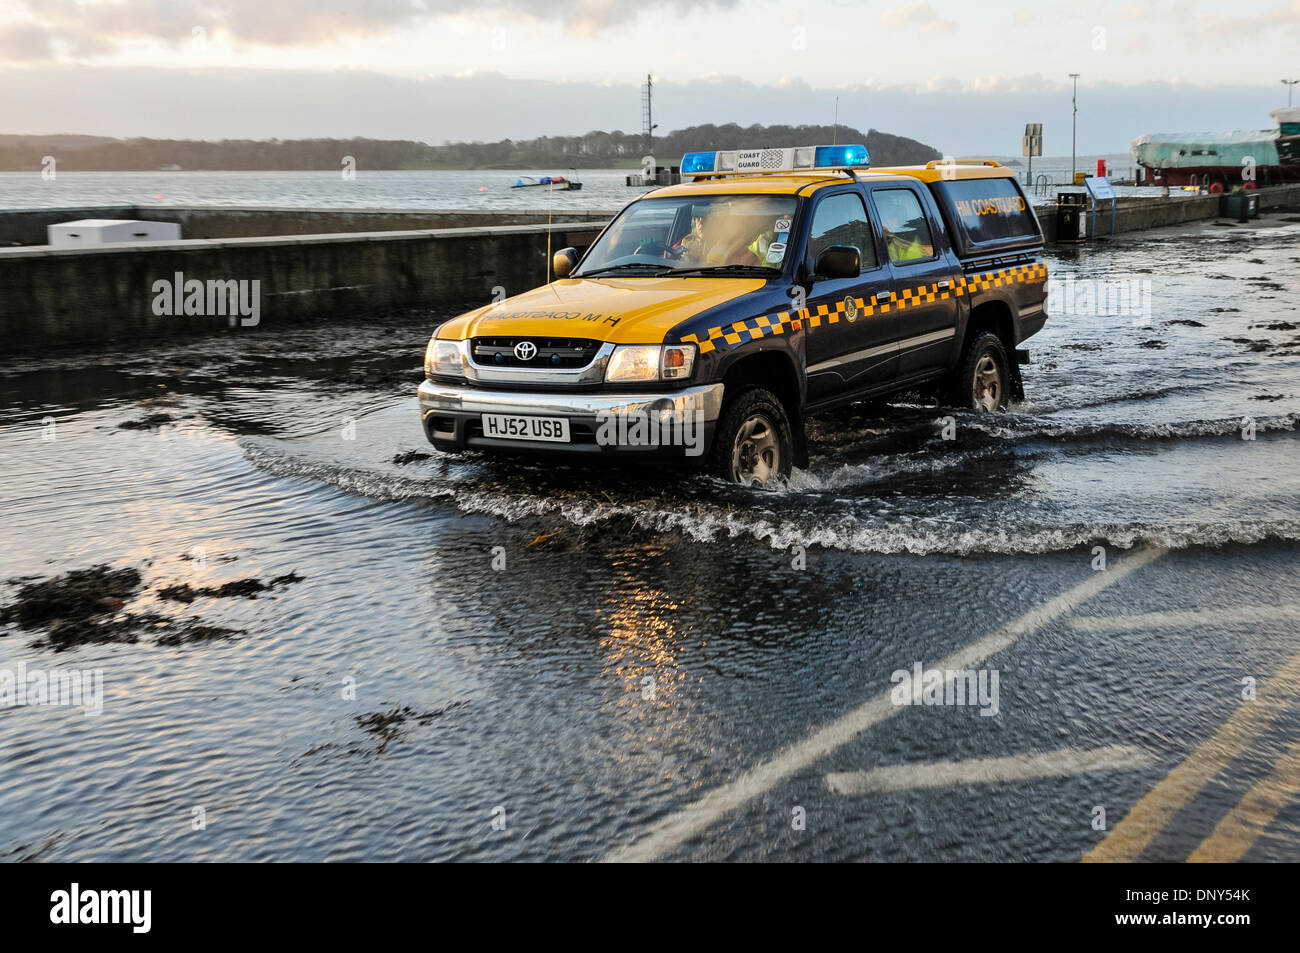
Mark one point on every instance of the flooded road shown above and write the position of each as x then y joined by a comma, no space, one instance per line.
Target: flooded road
476,658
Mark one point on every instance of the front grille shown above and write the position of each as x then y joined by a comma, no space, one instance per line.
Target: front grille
551,352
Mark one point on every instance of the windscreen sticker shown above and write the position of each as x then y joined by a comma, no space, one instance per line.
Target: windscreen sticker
775,252
782,225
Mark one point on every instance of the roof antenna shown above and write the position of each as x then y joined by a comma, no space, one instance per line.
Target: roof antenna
835,129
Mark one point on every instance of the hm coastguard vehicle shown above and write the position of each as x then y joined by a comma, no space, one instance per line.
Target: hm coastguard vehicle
710,319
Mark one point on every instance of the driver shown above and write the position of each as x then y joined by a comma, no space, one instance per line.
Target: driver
694,245
711,241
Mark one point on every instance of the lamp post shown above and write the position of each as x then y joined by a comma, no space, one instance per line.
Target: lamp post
1289,83
1074,125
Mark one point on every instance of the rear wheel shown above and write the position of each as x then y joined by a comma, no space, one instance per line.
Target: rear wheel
982,381
752,444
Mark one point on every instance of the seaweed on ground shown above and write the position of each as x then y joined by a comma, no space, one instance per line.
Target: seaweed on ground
85,607
249,588
390,725
410,456
75,595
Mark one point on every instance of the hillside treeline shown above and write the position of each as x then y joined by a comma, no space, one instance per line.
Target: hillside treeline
593,150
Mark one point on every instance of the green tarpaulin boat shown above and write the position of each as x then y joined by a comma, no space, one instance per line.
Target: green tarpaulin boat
1228,158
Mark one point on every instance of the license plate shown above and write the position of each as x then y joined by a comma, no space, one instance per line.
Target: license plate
511,427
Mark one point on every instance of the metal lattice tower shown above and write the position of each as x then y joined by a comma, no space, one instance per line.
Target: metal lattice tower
647,115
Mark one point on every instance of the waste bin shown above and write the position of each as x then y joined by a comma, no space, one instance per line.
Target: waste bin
1230,204
1071,217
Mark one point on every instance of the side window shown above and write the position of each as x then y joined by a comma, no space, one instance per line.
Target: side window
907,233
841,220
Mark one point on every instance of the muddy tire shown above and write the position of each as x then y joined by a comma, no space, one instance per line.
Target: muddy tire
983,380
752,444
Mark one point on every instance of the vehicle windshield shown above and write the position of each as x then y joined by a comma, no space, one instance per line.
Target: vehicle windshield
737,235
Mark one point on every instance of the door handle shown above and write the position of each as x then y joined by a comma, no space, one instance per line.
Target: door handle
944,285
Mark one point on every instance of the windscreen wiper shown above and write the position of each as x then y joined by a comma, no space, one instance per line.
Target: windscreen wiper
639,265
729,270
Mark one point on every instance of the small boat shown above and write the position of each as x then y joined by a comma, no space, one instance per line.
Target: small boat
553,183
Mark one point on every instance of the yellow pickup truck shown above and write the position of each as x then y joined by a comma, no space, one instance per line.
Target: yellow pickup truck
709,319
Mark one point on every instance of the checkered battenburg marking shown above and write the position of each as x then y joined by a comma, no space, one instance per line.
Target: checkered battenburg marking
738,332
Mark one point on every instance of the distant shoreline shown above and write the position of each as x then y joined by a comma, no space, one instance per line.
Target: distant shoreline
594,150
1085,162
620,165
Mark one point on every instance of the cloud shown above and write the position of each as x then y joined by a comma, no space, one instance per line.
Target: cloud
919,14
1284,17
26,41
88,27
984,117
84,28
942,84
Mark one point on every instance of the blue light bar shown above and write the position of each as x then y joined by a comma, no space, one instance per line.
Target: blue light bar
759,161
851,155
693,163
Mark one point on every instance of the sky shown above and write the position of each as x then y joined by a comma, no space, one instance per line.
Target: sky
964,77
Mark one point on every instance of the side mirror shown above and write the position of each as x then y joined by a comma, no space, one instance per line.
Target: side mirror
839,261
564,261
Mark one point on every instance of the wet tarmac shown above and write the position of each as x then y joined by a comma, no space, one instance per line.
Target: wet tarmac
480,658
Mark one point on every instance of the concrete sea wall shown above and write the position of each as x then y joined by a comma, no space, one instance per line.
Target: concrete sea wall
67,297
58,297
27,226
1137,214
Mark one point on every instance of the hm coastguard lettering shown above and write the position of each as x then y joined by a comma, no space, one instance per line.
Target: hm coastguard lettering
559,316
993,205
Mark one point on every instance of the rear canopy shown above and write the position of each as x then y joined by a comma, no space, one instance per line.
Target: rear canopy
987,214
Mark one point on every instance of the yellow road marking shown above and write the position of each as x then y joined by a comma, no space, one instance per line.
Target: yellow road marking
1237,832
1158,806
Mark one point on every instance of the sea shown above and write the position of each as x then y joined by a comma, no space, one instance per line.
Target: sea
602,189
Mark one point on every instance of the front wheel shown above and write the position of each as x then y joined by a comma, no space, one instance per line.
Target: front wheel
752,445
982,381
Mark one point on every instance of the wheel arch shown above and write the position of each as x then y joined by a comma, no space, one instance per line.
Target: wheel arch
775,370
993,315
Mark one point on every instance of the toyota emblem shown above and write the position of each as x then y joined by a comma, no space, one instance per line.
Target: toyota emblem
525,350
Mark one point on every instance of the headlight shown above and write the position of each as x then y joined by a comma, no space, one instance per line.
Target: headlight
633,362
650,362
443,359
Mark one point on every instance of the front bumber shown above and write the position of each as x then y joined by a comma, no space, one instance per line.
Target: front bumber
451,416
